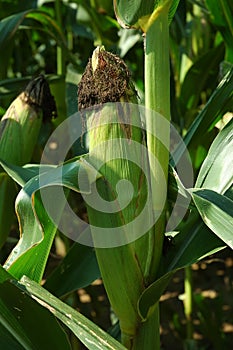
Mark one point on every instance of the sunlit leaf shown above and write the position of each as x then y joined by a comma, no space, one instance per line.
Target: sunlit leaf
128,13
131,12
194,242
23,174
217,212
25,323
176,187
36,227
29,256
93,337
216,172
218,104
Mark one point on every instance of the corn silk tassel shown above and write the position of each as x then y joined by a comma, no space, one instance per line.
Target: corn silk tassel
117,150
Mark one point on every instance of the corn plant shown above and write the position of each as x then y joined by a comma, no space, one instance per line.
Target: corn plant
131,179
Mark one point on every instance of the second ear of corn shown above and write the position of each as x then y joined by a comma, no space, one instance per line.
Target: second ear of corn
19,130
20,126
112,138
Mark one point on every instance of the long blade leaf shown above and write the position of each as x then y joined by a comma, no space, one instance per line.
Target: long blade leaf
217,212
93,337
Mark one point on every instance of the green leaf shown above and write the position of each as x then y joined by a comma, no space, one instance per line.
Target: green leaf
24,322
49,25
151,295
37,230
220,12
201,75
218,104
172,9
10,7
128,38
222,17
176,188
194,242
77,270
216,211
11,87
216,172
93,337
131,12
9,25
4,276
28,256
7,341
22,174
7,198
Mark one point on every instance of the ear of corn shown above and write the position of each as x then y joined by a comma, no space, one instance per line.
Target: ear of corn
124,268
20,126
19,130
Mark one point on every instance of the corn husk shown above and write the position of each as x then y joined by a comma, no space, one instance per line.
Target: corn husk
20,126
19,130
113,138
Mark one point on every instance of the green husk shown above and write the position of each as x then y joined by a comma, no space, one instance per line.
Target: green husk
19,130
20,126
113,138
